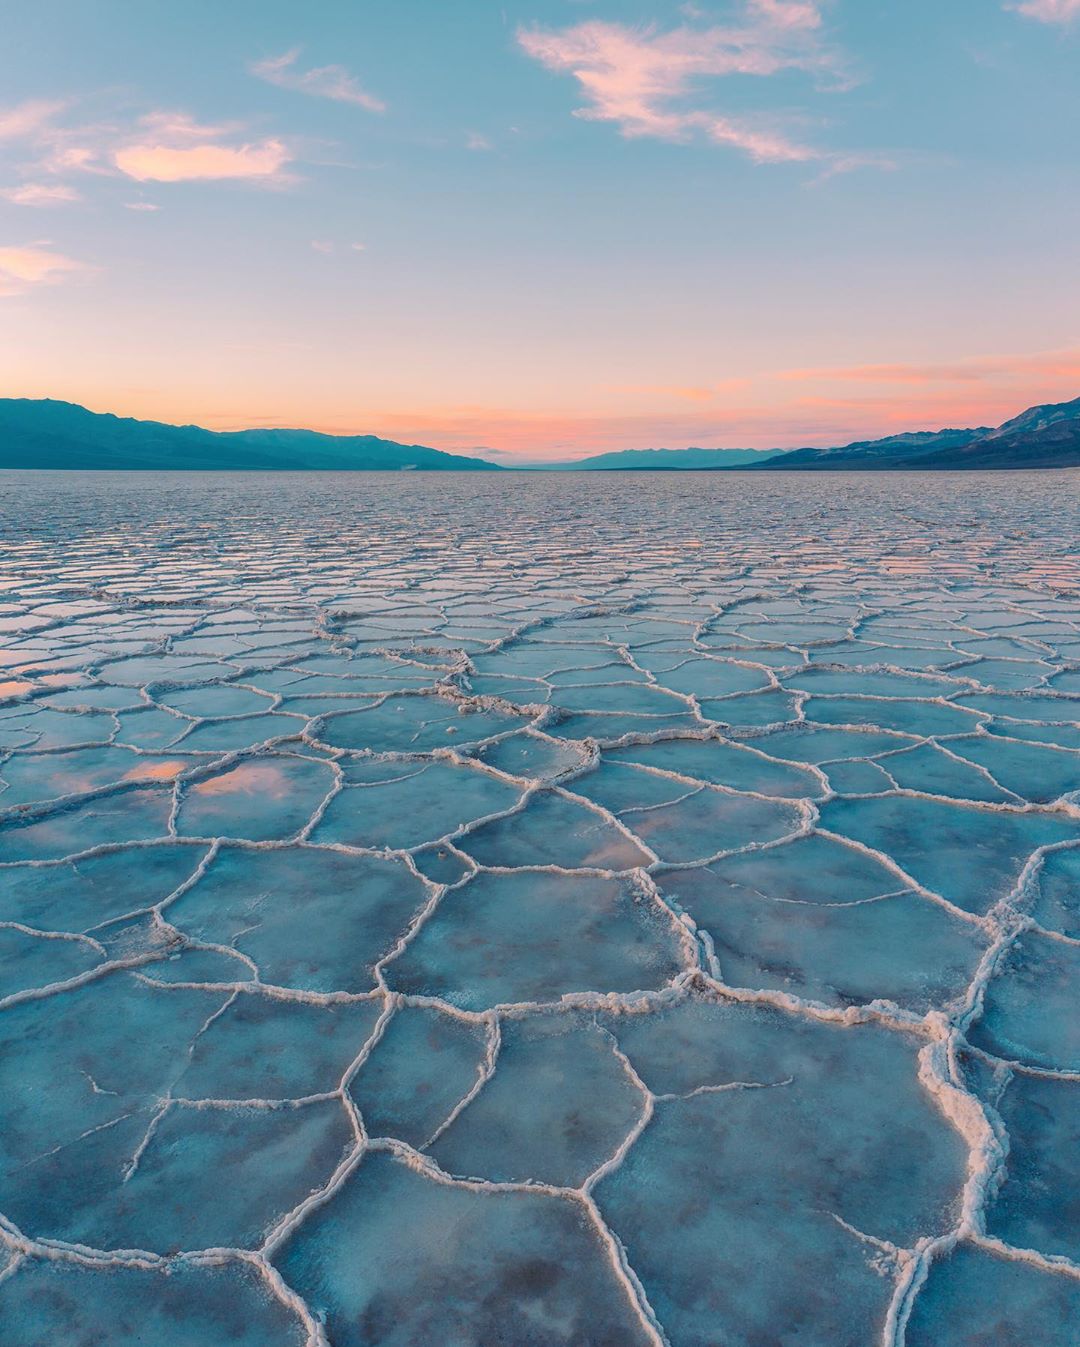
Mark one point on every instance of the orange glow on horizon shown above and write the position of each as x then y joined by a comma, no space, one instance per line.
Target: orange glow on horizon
783,409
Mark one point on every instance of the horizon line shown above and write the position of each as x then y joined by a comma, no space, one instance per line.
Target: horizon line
524,458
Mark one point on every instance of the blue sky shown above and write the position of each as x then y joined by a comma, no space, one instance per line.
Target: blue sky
544,228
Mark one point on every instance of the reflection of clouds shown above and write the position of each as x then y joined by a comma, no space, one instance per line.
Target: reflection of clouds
158,771
254,778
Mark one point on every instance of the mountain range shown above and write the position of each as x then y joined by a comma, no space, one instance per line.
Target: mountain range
44,433
1046,436
654,460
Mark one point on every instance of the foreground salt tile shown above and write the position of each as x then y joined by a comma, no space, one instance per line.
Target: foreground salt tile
216,1176
972,857
1036,1206
421,803
229,736
795,1157
308,917
30,959
264,1047
532,756
267,798
415,725
712,678
81,1075
709,821
1036,772
976,1299
895,945
33,778
722,764
179,1305
1030,1004
424,1063
538,936
923,718
555,829
127,816
933,770
1057,903
750,709
583,1105
466,1264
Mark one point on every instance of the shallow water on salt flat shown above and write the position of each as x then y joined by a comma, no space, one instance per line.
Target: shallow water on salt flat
593,909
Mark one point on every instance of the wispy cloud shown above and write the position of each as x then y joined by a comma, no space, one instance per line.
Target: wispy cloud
24,119
1048,11
59,148
328,248
325,81
172,147
162,147
23,268
646,80
1028,368
476,140
40,194
788,13
141,205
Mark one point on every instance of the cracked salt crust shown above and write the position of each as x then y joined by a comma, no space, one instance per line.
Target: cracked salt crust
415,928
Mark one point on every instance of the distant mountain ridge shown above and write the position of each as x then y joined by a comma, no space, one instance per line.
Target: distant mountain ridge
1045,436
882,451
43,433
651,460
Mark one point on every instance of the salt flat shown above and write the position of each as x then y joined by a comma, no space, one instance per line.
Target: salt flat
609,909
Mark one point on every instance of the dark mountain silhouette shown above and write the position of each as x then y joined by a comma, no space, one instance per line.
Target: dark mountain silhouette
876,453
1042,437
42,433
1047,436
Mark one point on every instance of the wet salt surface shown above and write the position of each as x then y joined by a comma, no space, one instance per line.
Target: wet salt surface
598,909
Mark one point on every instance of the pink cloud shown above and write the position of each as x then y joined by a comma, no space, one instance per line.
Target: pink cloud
898,373
40,194
35,264
63,157
327,81
27,118
788,13
1048,11
61,149
175,148
1051,365
643,79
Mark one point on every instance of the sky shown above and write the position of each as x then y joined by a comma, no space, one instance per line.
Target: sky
543,228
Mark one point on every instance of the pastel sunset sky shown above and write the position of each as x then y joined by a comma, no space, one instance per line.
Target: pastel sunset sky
543,228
